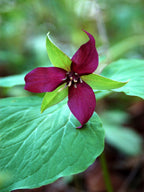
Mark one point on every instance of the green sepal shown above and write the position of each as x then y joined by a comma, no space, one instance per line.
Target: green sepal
54,97
56,56
99,82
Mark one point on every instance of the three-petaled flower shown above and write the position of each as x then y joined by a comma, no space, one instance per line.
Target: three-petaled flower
81,98
76,76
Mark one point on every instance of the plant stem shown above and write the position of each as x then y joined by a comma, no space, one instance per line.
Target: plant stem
77,183
106,173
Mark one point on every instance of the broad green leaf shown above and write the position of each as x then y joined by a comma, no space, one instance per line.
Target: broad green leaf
11,81
56,56
39,148
101,83
123,138
101,94
123,70
54,97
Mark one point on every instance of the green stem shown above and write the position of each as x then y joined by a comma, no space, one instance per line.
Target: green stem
106,173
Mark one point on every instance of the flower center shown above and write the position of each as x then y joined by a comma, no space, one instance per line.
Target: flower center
72,78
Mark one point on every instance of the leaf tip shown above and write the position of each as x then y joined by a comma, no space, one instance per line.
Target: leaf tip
42,110
48,34
126,82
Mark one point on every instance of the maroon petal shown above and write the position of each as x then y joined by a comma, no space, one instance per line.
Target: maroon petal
85,60
44,79
82,102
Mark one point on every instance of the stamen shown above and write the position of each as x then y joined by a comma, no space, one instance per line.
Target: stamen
72,78
69,84
75,86
64,79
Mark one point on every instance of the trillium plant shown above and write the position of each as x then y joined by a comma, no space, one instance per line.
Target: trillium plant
74,77
43,139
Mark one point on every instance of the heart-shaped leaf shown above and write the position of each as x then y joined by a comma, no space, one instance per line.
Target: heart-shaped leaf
36,149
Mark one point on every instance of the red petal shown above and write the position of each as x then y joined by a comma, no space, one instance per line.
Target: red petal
85,60
44,79
82,102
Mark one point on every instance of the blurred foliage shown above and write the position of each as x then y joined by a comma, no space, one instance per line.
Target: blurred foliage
24,25
121,136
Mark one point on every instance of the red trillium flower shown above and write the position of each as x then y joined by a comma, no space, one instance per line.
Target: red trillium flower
81,98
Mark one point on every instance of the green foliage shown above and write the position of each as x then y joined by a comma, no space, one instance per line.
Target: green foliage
39,148
11,81
123,70
56,56
101,83
122,47
123,138
5,179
